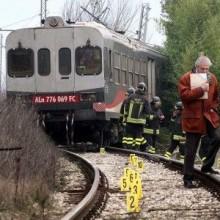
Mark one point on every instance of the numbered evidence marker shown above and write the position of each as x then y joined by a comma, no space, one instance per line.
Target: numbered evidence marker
136,186
134,161
126,171
125,180
140,165
130,158
132,202
102,150
124,185
128,177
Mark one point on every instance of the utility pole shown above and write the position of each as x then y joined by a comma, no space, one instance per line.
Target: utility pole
43,11
144,18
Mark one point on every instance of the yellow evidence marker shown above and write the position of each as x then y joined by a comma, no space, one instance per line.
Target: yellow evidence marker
126,171
136,188
132,202
130,158
140,165
102,150
124,185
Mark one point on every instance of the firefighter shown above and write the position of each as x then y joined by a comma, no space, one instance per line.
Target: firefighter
123,112
152,126
177,134
136,108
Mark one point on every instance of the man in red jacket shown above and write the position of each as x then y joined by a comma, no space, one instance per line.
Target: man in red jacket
199,115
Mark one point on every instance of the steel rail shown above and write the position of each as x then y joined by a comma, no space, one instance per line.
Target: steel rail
83,208
209,180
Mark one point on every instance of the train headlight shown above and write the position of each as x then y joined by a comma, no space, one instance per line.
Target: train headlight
88,97
53,22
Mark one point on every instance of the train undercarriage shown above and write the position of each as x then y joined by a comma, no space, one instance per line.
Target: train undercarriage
64,128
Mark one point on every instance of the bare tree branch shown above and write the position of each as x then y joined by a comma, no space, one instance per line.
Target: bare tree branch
117,15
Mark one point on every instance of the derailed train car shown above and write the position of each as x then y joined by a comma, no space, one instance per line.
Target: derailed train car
77,75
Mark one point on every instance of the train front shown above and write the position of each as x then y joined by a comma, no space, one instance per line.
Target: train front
60,70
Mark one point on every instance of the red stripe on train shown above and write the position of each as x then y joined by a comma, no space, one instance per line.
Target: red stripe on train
101,106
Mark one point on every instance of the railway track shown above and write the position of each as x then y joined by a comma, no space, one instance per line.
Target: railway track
164,196
83,192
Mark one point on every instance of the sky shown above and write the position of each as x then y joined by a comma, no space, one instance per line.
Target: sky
16,14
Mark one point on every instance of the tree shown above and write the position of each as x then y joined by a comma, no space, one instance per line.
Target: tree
191,26
118,18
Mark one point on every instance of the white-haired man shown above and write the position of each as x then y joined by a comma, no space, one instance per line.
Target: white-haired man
199,115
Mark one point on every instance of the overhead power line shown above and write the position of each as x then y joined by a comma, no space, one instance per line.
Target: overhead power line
17,22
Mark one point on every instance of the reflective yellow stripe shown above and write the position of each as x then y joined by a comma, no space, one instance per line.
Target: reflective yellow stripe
151,131
139,139
148,131
136,120
168,153
144,142
178,138
181,156
127,142
151,117
203,158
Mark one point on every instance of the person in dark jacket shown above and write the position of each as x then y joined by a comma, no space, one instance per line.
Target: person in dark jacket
136,108
199,115
152,126
177,134
123,113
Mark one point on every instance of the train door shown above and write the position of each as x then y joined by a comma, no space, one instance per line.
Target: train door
64,45
53,51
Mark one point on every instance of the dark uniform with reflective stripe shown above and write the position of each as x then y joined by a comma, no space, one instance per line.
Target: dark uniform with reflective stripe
152,128
177,135
136,108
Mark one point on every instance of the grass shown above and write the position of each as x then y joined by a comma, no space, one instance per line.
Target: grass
26,175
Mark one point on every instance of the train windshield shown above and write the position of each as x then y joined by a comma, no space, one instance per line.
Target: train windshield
88,60
20,62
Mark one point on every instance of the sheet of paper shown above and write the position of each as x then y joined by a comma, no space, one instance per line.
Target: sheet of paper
196,80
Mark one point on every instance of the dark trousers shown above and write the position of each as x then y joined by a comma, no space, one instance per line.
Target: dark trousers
134,132
151,139
204,146
192,142
174,144
212,148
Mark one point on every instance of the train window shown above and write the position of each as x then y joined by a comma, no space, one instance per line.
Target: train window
116,75
137,66
136,79
123,77
130,64
20,62
65,61
143,68
116,69
117,60
142,78
43,61
130,78
88,60
123,62
123,69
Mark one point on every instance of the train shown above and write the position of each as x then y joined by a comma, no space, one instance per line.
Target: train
77,76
